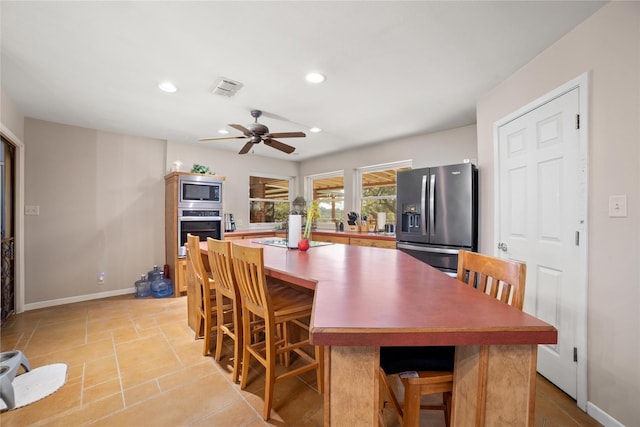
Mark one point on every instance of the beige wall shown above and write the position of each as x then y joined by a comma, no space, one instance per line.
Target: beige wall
101,199
234,167
607,45
441,148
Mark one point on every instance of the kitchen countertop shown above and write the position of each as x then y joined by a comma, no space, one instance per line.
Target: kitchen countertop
366,235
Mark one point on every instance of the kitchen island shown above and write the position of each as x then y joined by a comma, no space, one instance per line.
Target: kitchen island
368,297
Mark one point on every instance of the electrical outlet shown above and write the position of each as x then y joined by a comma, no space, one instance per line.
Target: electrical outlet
32,210
618,206
102,277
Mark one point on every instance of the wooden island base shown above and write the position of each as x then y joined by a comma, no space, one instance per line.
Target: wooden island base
493,385
367,297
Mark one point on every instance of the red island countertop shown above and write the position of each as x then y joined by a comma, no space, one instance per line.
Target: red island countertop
366,296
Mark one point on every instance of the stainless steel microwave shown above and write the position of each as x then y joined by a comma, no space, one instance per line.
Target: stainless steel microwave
199,191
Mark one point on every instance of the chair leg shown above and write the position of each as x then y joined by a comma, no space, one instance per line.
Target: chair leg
246,342
237,341
207,336
446,400
386,390
219,323
271,372
411,417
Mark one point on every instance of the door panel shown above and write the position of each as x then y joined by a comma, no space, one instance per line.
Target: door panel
452,204
409,207
538,192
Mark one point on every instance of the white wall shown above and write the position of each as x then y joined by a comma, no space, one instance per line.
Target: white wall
607,45
10,116
101,201
441,148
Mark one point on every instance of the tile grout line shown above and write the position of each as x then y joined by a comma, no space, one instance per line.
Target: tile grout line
32,334
173,350
115,355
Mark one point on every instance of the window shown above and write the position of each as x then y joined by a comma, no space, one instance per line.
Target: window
268,199
328,190
377,189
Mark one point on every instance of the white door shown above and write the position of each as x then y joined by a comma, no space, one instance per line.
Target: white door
541,189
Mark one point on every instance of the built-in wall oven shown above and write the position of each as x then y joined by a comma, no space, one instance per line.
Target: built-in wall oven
200,222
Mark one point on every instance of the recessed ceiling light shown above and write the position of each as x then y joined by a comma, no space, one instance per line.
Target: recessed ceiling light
167,87
315,130
315,77
223,131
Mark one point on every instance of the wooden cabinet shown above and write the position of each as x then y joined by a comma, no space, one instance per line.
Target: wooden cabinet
328,238
176,269
181,276
238,235
171,230
376,243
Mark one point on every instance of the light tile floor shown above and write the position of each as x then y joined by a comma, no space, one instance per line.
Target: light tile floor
135,362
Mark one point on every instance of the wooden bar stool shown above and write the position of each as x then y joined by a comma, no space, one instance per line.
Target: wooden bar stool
219,253
429,370
279,306
207,308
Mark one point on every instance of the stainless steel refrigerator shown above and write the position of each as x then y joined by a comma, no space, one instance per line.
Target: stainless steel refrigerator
437,213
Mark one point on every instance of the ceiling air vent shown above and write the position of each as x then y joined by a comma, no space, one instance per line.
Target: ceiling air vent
226,87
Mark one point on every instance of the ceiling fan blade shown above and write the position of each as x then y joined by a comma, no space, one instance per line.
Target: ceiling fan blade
245,149
221,138
241,129
279,145
287,135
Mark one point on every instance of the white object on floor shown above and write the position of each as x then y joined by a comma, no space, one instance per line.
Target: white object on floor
37,384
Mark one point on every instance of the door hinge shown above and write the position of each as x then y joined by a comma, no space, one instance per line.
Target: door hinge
575,354
577,121
577,238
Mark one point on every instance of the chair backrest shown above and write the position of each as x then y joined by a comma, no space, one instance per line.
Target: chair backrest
219,253
194,258
248,267
500,278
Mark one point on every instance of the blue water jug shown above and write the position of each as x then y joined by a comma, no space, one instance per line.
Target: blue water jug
161,288
143,287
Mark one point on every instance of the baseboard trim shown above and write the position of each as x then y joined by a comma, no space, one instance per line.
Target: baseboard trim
80,298
602,417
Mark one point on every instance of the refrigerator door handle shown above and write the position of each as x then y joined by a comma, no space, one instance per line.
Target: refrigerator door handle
426,249
423,216
432,207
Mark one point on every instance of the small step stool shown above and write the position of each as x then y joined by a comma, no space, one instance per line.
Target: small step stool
10,361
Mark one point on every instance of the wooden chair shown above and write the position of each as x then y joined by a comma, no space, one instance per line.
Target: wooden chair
207,309
279,306
219,253
433,366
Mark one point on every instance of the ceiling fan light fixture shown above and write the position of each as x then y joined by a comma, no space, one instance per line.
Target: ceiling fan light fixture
315,77
223,131
168,87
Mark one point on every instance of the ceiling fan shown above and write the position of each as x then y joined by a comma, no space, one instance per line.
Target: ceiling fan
257,132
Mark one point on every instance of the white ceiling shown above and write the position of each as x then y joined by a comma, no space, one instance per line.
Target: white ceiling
394,69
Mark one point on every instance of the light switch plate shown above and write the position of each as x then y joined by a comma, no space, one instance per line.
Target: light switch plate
31,210
618,206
